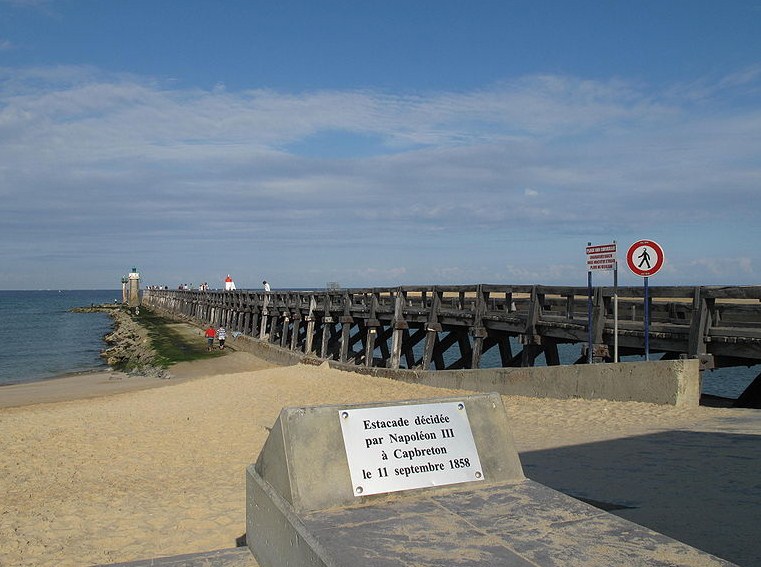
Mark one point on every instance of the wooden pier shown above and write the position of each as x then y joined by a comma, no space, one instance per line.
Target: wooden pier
452,327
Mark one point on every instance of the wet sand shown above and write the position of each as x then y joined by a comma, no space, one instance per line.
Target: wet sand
94,470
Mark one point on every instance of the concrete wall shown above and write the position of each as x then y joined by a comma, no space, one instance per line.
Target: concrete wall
272,353
673,382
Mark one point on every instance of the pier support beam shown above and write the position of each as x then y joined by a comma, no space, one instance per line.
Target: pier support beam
346,323
432,331
284,332
396,345
327,326
295,331
479,334
309,335
372,334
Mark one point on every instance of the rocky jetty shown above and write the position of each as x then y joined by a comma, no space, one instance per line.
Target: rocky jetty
129,344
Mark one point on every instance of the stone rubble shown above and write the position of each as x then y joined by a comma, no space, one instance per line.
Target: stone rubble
129,347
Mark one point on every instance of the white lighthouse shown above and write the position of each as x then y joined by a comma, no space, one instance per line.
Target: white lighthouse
133,288
229,283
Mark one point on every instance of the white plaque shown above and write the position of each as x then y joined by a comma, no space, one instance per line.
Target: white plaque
601,257
395,448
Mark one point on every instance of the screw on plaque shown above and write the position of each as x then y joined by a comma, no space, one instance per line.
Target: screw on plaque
358,490
345,414
460,406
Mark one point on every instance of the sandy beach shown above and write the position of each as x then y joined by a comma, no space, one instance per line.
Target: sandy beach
108,470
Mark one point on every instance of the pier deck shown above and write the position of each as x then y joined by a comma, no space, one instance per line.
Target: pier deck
451,327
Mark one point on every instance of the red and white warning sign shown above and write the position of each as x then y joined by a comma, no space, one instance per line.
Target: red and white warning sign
645,258
601,257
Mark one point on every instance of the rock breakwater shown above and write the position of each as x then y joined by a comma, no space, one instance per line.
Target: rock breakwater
129,347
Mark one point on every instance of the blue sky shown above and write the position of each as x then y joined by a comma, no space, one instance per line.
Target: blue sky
377,143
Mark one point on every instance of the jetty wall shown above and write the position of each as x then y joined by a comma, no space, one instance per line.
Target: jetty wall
668,382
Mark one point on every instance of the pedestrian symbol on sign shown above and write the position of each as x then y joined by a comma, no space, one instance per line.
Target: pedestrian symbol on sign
645,259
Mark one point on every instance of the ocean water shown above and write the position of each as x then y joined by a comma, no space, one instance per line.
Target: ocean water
40,338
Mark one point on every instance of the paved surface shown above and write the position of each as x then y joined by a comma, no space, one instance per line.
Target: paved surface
525,524
700,486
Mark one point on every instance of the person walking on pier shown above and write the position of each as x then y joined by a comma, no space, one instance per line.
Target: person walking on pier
266,286
221,336
210,334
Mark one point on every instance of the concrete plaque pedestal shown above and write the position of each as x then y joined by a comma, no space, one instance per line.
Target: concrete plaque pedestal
301,508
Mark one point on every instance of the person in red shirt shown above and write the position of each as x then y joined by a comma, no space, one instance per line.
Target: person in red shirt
210,334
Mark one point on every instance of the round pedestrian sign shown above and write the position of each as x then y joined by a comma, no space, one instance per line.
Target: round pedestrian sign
645,258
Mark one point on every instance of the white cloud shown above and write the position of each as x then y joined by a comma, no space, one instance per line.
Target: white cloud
720,266
520,168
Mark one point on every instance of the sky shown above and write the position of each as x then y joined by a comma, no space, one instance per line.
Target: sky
402,142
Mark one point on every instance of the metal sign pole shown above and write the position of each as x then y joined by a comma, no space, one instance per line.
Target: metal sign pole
589,315
647,321
615,312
